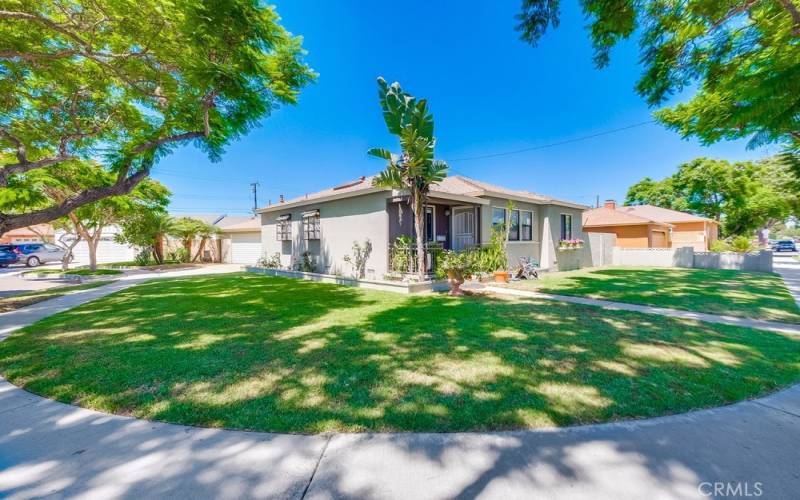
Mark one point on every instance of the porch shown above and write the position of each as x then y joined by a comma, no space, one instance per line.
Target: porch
448,224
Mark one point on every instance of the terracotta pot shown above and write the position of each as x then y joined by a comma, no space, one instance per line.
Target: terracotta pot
501,277
456,279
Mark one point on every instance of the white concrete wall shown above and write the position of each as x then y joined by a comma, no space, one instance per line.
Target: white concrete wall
687,257
341,223
108,250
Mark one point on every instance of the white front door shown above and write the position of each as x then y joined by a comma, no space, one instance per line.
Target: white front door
463,228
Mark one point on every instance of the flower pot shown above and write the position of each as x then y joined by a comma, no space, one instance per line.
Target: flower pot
501,276
455,279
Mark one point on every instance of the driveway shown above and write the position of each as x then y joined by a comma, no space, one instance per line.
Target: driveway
52,449
11,283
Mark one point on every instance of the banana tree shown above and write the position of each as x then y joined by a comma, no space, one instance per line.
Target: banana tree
414,169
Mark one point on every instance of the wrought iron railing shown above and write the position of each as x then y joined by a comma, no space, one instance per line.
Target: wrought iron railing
403,257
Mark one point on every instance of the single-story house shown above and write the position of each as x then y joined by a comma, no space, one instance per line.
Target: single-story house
38,233
460,213
238,241
648,226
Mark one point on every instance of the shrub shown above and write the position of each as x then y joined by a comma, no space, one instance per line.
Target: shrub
463,263
142,258
273,262
720,246
305,264
493,257
742,244
401,256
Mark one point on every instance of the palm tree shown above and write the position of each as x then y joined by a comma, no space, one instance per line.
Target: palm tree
414,169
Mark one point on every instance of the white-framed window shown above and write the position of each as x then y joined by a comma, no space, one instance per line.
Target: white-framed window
566,227
311,230
513,226
526,225
498,217
283,228
430,223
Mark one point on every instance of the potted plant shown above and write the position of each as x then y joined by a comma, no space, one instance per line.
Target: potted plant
457,266
493,257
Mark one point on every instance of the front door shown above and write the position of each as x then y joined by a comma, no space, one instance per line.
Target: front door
463,228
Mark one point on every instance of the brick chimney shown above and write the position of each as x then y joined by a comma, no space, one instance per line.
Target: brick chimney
610,204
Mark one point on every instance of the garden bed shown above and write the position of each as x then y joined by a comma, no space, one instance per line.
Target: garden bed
383,285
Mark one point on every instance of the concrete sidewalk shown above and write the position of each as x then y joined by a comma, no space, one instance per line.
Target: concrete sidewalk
48,448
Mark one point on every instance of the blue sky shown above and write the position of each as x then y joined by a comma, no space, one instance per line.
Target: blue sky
489,93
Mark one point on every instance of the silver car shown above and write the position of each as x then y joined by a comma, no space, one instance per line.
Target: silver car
33,254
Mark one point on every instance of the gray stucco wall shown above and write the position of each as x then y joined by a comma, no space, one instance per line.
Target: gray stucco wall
341,223
551,234
516,249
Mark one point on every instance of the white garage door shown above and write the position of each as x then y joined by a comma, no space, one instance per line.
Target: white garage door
245,248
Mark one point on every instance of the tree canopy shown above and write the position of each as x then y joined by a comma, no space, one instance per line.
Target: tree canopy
124,82
743,196
742,56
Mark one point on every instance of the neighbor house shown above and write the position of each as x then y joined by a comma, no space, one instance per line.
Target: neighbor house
33,234
648,226
460,214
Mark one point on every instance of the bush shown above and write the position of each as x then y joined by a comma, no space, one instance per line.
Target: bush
720,246
742,244
739,244
493,257
273,262
305,265
142,258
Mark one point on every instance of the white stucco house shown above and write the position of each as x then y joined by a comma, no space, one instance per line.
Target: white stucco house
460,213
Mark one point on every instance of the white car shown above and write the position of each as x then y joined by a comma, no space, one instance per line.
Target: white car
34,254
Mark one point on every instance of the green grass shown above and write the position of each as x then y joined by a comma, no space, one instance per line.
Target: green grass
77,272
715,291
255,352
26,299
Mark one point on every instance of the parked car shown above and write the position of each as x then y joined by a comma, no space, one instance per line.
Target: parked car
33,254
784,246
8,255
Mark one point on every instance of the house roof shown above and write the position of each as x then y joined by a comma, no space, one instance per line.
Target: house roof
663,214
459,186
240,224
604,216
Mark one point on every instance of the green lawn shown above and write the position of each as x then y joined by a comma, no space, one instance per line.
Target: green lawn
255,352
26,299
715,291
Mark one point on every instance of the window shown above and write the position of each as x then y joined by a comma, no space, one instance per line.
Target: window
513,229
430,227
498,217
283,228
311,225
526,225
566,227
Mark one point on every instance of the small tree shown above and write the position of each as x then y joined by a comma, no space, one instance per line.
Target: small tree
414,169
147,229
204,232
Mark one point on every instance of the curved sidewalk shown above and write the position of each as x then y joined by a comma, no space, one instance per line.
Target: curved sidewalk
48,448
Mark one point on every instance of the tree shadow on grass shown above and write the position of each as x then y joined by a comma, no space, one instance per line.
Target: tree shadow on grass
253,352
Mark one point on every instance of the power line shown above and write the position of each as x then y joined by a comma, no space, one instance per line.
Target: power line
554,144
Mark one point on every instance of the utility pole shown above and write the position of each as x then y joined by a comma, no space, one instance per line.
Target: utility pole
255,185
597,203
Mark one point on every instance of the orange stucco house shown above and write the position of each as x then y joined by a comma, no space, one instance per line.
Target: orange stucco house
648,226
32,234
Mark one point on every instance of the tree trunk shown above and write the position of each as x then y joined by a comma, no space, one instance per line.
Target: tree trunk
92,244
200,249
416,206
158,249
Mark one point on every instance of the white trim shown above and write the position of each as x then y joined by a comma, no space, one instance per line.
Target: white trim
432,208
320,199
571,226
